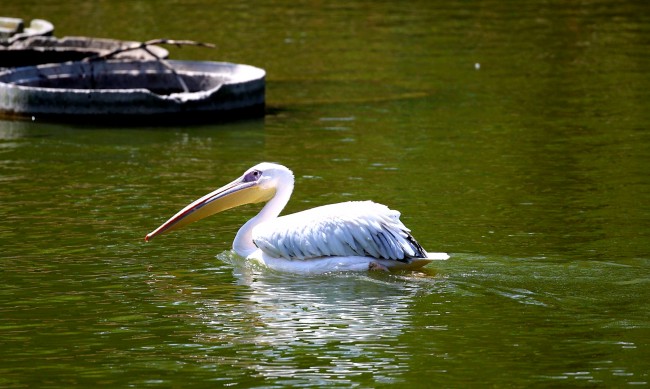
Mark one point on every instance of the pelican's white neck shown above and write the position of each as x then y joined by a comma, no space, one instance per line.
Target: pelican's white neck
243,243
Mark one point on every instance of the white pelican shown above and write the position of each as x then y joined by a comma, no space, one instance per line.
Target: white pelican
350,236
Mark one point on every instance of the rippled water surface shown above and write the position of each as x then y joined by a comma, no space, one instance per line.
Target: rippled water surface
514,137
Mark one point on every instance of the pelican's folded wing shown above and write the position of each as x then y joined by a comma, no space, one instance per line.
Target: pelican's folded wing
360,228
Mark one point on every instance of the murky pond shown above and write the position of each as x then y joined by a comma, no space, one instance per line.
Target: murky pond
513,136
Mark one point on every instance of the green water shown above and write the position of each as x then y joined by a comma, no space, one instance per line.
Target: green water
513,135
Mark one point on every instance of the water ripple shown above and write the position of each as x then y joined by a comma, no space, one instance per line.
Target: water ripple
324,329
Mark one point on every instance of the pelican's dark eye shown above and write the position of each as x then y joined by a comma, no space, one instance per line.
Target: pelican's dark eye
252,176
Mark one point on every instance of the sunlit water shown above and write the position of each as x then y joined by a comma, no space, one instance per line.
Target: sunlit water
513,137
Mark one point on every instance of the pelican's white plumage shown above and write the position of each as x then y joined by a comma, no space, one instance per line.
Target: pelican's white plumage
356,228
357,235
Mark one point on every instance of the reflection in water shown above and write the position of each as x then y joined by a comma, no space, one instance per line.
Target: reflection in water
317,327
11,133
13,129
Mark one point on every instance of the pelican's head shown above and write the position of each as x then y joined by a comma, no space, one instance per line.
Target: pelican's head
258,184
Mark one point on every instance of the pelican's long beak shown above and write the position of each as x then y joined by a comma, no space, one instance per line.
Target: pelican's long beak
236,193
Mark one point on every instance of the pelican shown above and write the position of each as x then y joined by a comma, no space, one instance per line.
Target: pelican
349,236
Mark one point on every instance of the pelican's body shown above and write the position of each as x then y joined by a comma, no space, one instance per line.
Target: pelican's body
351,236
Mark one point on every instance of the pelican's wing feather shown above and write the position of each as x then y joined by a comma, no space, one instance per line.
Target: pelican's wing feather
360,228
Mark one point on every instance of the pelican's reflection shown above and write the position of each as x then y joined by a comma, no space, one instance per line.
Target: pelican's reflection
318,326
